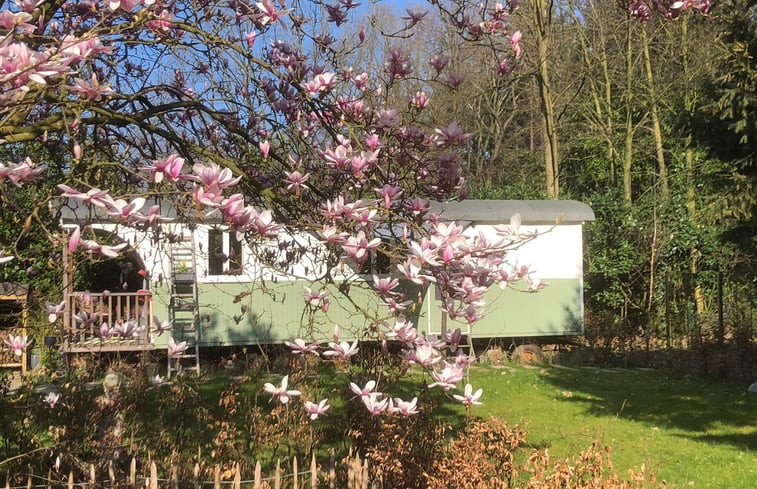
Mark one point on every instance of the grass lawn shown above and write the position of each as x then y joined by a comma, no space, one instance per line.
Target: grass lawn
689,432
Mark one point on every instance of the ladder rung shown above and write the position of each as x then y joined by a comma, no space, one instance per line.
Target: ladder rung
187,355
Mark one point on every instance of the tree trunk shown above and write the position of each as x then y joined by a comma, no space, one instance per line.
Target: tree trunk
601,95
629,127
662,167
542,10
690,183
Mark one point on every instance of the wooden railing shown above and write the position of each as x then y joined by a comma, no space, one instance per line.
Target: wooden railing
112,321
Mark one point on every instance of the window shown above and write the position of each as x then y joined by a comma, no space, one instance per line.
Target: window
224,253
378,263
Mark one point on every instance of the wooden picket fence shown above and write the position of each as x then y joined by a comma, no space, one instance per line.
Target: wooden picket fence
312,477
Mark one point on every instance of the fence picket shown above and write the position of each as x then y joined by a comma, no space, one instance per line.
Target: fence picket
353,470
217,477
258,481
332,469
313,473
153,476
237,477
364,474
133,473
294,473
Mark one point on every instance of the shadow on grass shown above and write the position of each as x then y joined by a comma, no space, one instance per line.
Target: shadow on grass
701,410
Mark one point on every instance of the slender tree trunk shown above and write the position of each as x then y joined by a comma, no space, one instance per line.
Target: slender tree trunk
691,204
662,167
629,127
601,95
542,10
611,151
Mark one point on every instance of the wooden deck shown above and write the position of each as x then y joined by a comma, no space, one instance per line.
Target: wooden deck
107,322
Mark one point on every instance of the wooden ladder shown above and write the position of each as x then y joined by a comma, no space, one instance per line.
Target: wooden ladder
184,310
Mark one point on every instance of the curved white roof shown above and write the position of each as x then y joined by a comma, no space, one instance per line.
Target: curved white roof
500,211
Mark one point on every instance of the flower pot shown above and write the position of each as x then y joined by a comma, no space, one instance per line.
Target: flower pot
34,359
50,341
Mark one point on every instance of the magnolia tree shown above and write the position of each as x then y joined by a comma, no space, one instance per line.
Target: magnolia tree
248,111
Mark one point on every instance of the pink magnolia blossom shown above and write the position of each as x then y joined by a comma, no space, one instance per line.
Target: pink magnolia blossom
343,349
85,318
128,329
125,5
322,83
358,247
331,235
75,49
105,331
281,392
152,218
374,405
5,258
9,21
176,349
315,299
296,181
90,90
419,101
213,176
17,344
389,193
94,196
162,23
424,355
54,310
365,391
405,408
411,269
385,285
515,41
263,224
107,251
265,148
439,62
51,399
452,338
22,172
299,346
125,211
168,168
360,81
448,377
269,14
77,151
469,398
315,410
403,331
161,326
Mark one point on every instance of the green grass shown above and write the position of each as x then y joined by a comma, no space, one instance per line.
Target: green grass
684,430
689,432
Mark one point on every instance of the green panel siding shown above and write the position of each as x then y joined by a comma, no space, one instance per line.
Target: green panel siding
279,313
555,310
